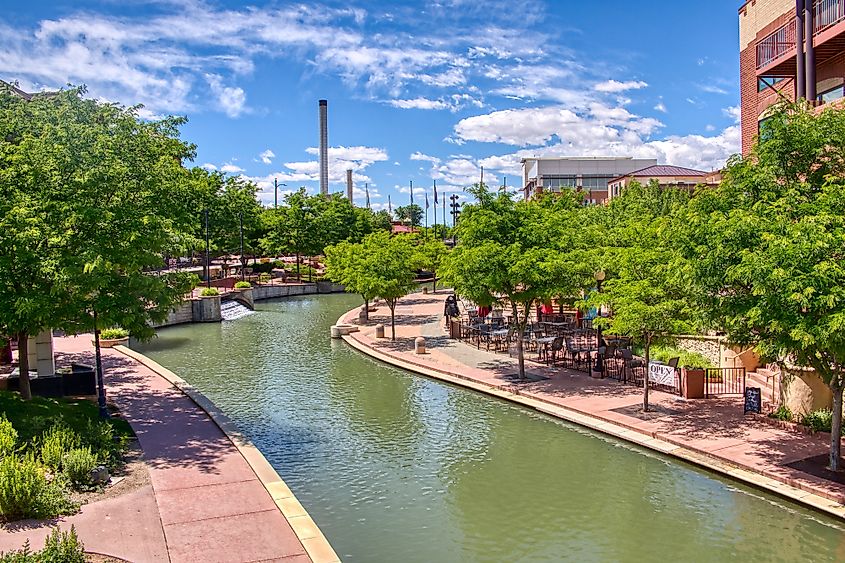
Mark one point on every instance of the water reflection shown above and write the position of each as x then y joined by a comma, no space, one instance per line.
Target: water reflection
395,467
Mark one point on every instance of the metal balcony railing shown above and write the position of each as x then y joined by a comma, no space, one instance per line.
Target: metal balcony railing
827,13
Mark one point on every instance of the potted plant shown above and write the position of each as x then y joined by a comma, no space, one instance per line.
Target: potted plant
209,292
115,336
243,285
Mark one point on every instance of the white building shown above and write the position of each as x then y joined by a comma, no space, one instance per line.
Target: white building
587,174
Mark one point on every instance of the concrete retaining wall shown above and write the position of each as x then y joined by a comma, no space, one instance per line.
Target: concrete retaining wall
207,309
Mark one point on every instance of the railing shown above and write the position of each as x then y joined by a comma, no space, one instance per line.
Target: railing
827,13
724,381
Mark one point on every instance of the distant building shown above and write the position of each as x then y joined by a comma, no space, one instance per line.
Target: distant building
589,175
666,176
398,228
15,91
788,50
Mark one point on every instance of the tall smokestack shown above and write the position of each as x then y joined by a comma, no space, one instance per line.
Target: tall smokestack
324,147
349,185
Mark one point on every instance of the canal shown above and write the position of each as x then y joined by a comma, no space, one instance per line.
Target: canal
395,467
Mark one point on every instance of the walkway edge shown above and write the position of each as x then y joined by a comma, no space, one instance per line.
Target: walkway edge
309,534
694,457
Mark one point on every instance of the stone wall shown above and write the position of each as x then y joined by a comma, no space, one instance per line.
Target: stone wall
708,346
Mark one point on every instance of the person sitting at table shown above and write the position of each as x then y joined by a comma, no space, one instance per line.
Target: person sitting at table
483,311
546,309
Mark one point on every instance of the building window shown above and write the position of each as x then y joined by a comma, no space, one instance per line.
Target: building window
832,94
554,184
595,182
768,81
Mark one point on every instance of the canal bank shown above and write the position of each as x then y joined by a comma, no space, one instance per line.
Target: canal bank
712,434
212,495
397,467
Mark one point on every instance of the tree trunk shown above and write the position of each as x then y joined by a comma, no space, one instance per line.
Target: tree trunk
298,275
520,339
23,366
392,320
836,425
366,310
434,282
645,376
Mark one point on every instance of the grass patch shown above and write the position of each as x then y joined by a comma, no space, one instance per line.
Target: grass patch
31,418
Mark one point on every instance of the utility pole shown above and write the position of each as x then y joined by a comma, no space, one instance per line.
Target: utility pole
276,185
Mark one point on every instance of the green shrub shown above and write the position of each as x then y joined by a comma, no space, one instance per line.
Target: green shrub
264,278
59,547
100,436
25,491
782,413
665,353
8,436
55,443
209,292
115,333
819,420
62,547
77,465
242,285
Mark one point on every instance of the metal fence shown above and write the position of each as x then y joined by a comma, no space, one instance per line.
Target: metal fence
724,381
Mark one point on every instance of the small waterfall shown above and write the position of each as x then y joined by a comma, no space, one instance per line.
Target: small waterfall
232,310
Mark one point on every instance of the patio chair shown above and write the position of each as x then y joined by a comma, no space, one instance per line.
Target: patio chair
673,362
631,366
555,350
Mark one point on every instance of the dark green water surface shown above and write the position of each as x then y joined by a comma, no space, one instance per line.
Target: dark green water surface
394,467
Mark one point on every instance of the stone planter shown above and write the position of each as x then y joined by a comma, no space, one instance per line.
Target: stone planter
692,383
112,342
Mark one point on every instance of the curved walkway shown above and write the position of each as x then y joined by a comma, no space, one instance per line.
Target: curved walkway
713,433
213,496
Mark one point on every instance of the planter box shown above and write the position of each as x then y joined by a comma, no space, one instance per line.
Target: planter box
80,379
112,342
692,383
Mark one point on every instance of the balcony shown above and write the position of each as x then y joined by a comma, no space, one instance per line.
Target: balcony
776,52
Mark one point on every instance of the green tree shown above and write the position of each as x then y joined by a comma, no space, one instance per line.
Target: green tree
91,197
767,247
429,255
387,270
646,289
507,255
411,214
293,228
346,265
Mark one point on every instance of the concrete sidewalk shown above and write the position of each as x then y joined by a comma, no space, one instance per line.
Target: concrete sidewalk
713,433
206,501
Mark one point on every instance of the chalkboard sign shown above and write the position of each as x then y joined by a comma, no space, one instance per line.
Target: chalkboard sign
753,400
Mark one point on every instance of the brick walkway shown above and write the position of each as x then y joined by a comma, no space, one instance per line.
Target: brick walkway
205,502
712,432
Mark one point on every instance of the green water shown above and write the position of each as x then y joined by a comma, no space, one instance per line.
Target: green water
395,468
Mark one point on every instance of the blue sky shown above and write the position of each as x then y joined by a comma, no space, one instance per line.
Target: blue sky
423,91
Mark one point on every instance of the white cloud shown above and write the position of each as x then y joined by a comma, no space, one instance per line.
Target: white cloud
208,166
661,107
733,112
267,156
712,89
419,103
230,168
615,86
231,100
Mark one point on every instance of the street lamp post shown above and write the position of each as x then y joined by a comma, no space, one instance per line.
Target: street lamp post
455,212
276,185
599,366
243,260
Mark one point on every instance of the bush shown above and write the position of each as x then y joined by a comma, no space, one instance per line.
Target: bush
264,278
115,333
100,436
689,359
8,437
25,491
78,464
242,285
59,547
209,292
782,413
55,443
819,421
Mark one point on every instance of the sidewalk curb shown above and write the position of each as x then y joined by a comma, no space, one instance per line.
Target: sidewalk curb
306,530
771,484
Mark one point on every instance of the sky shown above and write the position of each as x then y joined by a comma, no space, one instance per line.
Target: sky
423,91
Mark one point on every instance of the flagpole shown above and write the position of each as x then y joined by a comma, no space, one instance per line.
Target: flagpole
435,209
411,211
426,211
444,217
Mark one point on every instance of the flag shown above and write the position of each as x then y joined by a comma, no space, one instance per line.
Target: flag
389,206
367,190
426,200
435,192
412,192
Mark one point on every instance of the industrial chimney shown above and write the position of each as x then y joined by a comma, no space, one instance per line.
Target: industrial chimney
324,147
349,185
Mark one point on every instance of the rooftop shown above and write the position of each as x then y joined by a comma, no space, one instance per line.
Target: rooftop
663,170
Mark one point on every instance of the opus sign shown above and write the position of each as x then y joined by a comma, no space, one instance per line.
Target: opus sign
661,374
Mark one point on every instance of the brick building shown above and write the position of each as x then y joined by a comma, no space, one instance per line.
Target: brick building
788,49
